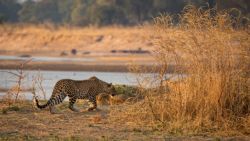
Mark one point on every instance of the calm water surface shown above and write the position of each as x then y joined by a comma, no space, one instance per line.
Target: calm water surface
7,80
46,59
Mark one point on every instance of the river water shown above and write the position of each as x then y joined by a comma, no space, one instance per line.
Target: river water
49,78
46,59
8,80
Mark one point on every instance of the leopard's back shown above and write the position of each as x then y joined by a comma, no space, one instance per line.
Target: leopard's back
77,88
65,86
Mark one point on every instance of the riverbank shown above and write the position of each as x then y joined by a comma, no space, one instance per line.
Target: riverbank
93,63
57,66
25,122
107,49
46,41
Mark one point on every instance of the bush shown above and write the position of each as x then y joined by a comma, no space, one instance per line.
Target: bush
11,108
210,94
102,15
126,90
215,57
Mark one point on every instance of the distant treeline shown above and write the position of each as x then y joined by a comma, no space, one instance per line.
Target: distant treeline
101,12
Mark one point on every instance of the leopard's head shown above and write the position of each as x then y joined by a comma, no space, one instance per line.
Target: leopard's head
110,89
107,87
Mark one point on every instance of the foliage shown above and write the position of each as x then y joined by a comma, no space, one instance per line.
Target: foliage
26,13
107,15
42,11
102,12
126,90
79,13
9,10
11,108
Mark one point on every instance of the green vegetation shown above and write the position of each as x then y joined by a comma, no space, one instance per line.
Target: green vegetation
102,12
11,108
126,90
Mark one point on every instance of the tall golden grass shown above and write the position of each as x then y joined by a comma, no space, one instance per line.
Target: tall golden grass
211,91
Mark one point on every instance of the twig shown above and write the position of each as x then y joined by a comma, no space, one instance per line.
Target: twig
20,76
15,74
37,80
152,111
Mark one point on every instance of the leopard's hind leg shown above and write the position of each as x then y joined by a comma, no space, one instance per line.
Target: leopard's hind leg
55,100
53,110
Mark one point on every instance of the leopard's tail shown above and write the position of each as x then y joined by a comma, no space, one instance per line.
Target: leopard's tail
51,102
40,106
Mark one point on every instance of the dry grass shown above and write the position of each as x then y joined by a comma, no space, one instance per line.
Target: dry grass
27,123
210,95
13,94
44,38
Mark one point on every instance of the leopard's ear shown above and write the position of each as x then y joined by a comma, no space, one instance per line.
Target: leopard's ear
93,78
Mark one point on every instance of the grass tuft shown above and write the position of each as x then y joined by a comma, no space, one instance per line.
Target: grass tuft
209,94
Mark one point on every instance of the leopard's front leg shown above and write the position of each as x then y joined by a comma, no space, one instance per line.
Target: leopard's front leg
92,99
72,101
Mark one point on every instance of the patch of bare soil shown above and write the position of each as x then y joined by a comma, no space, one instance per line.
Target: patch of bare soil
25,122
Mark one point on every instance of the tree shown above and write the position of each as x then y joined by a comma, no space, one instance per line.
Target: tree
103,12
40,11
64,9
9,10
169,6
243,5
211,3
27,13
47,11
137,10
107,14
79,14
2,18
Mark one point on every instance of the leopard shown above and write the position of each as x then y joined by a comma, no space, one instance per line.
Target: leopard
77,89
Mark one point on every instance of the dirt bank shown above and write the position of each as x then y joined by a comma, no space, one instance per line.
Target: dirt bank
28,123
100,64
48,41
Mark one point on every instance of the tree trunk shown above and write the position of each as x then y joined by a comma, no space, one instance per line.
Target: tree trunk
218,5
212,3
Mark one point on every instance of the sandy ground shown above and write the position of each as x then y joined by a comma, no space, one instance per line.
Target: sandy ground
29,123
103,64
107,46
46,41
